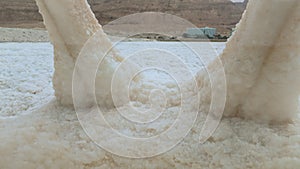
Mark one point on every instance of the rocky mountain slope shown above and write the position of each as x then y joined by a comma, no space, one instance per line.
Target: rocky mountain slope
221,14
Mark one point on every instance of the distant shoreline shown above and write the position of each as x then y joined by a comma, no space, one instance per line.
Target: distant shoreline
41,35
23,35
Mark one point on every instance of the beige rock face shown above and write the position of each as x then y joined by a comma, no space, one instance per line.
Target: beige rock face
223,16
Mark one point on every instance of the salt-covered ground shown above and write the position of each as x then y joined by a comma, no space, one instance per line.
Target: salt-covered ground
27,68
25,78
36,132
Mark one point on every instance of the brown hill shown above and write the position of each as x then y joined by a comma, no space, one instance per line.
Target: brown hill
221,14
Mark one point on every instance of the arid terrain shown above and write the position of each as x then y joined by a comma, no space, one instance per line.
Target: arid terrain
221,14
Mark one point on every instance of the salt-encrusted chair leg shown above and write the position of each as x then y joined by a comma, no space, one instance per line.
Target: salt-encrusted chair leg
70,24
262,62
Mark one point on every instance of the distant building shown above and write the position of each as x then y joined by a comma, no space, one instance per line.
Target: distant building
200,32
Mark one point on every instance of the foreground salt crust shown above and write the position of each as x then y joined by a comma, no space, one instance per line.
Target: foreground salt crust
52,137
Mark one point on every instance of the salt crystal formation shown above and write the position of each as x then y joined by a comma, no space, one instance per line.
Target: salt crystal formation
261,59
261,71
262,63
70,24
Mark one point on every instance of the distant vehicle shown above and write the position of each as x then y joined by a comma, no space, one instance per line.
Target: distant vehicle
200,33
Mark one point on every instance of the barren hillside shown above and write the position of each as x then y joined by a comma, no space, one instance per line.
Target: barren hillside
222,14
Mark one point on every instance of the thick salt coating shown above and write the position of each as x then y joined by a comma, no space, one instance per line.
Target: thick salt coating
52,139
259,80
262,63
70,24
260,60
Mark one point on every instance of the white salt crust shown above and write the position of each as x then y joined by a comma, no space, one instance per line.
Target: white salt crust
53,138
261,71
